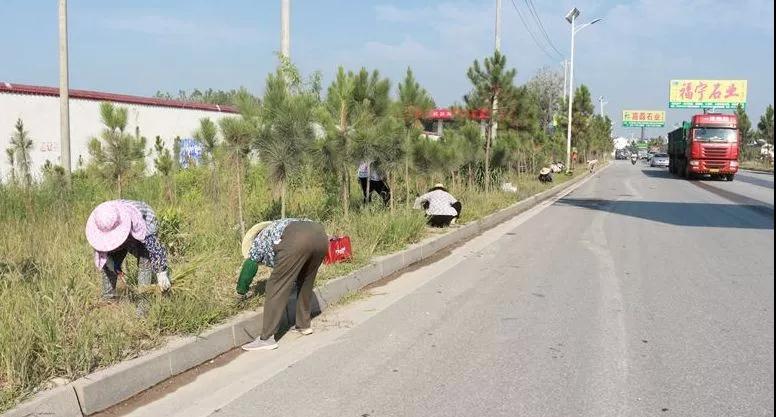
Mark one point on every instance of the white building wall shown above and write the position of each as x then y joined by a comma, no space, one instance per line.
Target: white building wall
41,119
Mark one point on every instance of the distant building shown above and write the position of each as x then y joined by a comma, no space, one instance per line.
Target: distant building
38,107
433,122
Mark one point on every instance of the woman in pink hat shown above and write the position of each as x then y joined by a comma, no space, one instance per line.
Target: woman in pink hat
118,227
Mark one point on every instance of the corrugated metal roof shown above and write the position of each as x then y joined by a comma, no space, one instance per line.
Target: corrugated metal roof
117,98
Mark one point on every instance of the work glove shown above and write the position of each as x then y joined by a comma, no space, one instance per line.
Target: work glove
243,297
163,281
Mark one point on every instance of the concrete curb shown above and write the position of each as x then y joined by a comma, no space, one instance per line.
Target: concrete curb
110,386
757,171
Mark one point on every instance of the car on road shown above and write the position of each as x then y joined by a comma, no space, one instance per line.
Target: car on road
659,160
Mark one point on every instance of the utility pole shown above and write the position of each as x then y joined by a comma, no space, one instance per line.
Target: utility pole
494,108
498,25
285,28
64,94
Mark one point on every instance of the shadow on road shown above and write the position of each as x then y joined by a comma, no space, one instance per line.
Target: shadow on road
663,173
755,181
738,216
657,173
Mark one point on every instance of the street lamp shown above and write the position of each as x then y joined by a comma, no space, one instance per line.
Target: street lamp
571,17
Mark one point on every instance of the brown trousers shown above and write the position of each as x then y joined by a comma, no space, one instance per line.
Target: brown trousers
297,258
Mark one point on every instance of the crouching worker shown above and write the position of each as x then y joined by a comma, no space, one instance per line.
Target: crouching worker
294,249
118,227
545,175
441,207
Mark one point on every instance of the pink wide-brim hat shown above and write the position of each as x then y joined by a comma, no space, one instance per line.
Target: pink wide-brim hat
110,224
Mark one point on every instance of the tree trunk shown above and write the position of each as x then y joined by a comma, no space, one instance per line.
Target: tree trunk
283,200
239,198
368,183
390,186
407,167
345,192
168,188
471,177
487,164
491,138
213,178
118,183
345,174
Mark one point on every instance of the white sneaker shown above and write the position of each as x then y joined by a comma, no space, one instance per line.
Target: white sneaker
259,344
304,332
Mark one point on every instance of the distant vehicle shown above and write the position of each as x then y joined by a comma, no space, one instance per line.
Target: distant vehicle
643,154
621,154
707,145
659,160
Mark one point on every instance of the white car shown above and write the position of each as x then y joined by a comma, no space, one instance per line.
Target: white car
659,160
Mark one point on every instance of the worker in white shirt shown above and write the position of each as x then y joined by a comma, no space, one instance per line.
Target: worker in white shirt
441,207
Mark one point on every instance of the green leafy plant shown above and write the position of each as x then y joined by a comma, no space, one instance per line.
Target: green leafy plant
117,154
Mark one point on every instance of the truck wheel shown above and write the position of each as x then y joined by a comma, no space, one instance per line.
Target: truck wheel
730,177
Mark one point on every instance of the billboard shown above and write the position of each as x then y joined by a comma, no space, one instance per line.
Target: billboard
643,118
707,94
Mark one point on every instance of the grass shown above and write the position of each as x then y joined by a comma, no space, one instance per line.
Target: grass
757,165
52,321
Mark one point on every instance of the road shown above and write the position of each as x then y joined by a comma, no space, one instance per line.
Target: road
637,294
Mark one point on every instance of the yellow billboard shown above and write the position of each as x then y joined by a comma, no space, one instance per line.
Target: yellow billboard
707,94
643,118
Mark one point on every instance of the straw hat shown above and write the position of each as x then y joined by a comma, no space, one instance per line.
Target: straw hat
110,224
250,235
544,171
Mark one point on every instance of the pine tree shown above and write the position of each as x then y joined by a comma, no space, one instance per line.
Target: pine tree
490,80
21,144
765,125
414,104
117,153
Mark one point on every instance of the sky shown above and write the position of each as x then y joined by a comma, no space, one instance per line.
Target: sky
141,46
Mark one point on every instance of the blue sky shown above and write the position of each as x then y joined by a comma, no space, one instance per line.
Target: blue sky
141,46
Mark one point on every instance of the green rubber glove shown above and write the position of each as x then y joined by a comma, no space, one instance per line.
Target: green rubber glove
247,272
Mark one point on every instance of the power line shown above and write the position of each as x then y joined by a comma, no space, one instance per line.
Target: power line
535,14
528,29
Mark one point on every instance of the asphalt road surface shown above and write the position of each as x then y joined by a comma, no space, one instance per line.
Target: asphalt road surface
637,294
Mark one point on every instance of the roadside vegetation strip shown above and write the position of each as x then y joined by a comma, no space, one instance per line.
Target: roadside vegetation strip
293,153
197,349
53,324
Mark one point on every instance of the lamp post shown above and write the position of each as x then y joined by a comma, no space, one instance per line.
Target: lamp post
602,101
565,65
571,17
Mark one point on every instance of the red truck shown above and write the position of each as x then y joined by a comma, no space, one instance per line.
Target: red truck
708,145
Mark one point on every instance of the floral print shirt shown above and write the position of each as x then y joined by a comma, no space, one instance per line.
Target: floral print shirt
156,252
263,248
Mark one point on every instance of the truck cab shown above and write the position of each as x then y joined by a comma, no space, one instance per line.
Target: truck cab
708,145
